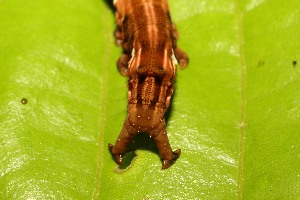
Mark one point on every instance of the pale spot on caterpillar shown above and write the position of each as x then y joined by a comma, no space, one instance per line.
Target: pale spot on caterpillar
132,56
174,60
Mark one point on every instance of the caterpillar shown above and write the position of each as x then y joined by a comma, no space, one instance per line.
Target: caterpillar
149,60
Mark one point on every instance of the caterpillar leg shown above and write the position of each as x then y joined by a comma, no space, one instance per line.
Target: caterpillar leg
118,36
182,58
162,142
118,149
122,64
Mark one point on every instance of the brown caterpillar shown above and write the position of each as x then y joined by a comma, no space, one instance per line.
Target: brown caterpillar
149,59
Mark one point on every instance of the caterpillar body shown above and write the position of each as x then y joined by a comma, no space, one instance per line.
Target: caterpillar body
149,60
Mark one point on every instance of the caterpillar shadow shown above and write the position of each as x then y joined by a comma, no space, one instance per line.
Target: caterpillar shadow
110,4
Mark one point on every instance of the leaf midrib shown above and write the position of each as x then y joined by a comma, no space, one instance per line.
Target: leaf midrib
239,15
105,61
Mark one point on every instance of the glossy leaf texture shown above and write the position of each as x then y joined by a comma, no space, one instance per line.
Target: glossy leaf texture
235,113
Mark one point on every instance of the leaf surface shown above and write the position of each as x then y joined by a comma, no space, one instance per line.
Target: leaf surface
235,113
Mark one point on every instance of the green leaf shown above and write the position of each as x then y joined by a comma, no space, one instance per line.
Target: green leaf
235,113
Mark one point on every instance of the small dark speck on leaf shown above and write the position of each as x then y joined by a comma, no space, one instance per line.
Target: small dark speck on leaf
295,63
24,101
261,63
